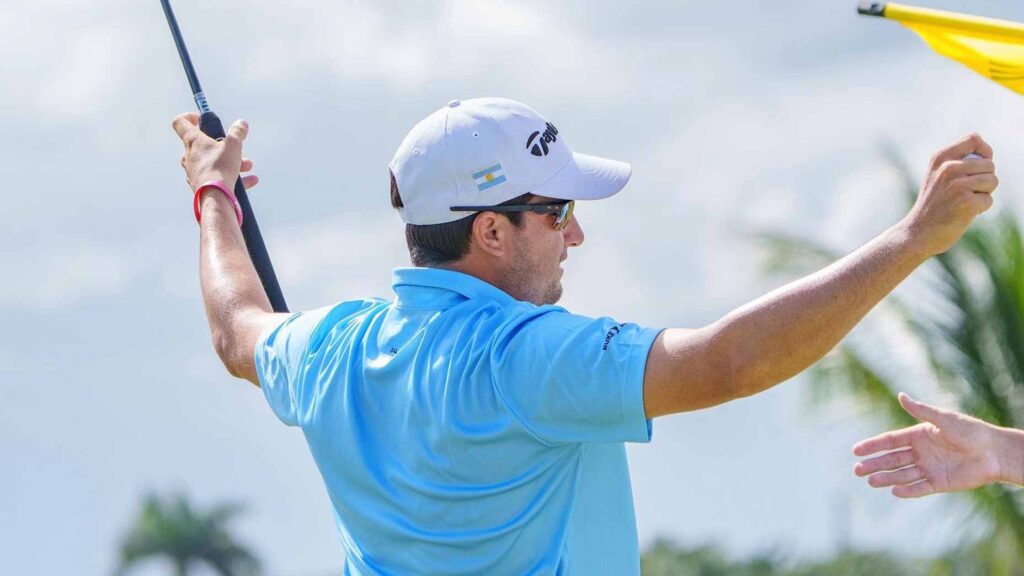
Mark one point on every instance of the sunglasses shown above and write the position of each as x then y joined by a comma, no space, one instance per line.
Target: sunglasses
561,210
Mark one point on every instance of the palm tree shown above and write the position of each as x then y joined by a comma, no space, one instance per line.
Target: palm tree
172,529
966,319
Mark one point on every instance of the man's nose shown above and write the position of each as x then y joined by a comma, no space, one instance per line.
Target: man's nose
573,233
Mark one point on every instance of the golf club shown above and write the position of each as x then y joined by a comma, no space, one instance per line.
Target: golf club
210,125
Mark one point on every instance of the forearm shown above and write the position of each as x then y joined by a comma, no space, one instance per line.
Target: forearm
231,288
784,332
1010,452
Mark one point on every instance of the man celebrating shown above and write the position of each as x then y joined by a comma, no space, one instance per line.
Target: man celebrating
469,425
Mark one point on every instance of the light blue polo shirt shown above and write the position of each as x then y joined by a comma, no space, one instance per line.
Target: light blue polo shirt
460,431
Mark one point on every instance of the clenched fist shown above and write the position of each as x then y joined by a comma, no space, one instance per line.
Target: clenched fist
957,189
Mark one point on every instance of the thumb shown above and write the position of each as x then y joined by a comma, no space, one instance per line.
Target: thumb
236,134
238,131
920,410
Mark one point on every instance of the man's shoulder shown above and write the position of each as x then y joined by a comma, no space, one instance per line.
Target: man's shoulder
320,322
547,321
345,309
357,305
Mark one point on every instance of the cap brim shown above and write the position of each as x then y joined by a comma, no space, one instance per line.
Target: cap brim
586,178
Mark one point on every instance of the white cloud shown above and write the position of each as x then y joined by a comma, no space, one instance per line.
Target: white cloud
88,74
65,60
409,47
60,276
339,257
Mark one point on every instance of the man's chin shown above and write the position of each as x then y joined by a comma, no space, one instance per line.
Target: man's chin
554,294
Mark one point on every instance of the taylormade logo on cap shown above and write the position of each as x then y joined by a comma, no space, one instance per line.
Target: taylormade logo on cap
472,153
539,146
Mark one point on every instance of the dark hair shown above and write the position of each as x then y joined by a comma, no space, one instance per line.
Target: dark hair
438,244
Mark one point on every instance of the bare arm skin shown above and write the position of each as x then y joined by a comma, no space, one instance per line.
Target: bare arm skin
947,452
236,305
779,335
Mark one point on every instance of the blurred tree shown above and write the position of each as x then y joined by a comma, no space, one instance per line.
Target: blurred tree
667,559
967,319
173,530
664,558
855,564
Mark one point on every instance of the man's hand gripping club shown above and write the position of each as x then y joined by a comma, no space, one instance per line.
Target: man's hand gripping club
236,304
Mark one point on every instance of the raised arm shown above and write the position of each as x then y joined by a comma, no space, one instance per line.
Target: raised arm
236,305
947,452
779,335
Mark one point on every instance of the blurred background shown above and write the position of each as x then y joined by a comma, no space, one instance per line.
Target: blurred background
765,138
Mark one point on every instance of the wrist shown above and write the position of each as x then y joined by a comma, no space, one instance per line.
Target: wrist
909,239
221,193
1009,448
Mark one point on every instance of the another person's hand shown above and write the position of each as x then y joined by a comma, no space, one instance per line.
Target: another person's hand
206,159
947,452
956,190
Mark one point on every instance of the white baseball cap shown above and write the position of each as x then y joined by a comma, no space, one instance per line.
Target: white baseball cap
484,151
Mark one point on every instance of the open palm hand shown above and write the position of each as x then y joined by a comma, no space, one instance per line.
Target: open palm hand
947,452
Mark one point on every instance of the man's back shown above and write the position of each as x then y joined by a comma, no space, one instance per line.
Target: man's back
460,431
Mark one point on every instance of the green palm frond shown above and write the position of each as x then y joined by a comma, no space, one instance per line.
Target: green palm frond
845,371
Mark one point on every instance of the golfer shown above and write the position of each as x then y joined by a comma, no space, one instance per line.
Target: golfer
946,452
468,424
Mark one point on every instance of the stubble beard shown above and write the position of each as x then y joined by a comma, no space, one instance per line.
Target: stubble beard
553,292
524,278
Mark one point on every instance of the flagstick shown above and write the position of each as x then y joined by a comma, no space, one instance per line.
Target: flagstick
871,9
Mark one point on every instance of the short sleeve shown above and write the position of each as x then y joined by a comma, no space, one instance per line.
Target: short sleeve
571,378
285,353
280,355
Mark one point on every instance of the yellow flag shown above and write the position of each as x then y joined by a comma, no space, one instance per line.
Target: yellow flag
992,48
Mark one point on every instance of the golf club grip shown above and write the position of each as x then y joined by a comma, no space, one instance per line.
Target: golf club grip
210,125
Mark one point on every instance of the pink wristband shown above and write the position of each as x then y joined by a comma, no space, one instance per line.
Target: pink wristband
219,185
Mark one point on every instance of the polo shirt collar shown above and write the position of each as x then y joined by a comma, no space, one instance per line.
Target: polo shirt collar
428,287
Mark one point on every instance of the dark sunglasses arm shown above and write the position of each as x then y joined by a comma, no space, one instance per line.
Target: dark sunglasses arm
538,208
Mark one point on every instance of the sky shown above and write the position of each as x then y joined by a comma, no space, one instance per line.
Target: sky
737,117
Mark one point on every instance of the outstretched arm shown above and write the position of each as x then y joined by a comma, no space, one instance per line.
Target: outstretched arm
781,334
236,304
947,452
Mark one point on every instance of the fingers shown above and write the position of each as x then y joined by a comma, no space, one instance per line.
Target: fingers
972,166
971,143
186,123
982,202
238,131
972,175
250,180
982,148
907,475
888,441
922,411
915,490
886,462
955,170
236,134
985,183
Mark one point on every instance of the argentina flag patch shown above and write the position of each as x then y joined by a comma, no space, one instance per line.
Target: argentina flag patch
489,177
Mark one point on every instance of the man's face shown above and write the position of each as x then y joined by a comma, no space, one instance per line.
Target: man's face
539,251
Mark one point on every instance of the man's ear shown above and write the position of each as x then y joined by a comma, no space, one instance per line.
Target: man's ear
492,233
